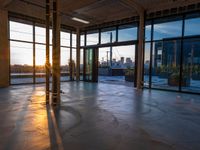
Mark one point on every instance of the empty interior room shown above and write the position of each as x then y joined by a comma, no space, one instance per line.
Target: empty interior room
99,74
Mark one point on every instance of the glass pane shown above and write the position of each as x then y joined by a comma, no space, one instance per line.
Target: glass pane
148,33
21,60
40,35
74,64
65,59
65,38
20,31
108,36
74,40
81,63
40,58
191,66
166,64
89,64
50,36
127,33
104,57
82,40
192,26
147,63
92,38
167,30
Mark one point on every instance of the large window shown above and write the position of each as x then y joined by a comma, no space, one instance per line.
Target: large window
174,53
24,47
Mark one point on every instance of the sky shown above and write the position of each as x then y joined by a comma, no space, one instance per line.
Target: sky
22,53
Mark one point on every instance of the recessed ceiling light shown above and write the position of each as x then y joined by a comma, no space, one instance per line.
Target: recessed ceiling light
80,20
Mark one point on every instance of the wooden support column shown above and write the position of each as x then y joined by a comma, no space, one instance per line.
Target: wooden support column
4,49
47,65
78,55
56,54
140,51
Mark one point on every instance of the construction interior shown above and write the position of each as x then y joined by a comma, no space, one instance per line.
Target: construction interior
100,74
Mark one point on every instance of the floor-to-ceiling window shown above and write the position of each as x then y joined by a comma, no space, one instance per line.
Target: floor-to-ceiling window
191,54
117,49
28,52
21,53
172,56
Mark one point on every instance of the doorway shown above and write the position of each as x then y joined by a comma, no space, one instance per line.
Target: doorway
117,65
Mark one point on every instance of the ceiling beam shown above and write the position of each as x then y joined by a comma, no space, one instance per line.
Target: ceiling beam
132,4
6,3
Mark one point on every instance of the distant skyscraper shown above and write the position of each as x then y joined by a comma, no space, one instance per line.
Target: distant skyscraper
128,60
122,60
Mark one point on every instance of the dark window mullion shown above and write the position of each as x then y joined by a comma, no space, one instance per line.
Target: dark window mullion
181,59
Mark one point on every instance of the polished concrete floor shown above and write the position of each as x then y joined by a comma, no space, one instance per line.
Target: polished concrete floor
98,117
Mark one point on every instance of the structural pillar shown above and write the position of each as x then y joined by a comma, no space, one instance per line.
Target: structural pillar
56,54
140,51
4,49
47,65
78,55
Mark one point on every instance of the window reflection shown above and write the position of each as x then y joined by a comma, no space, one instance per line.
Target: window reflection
192,27
166,64
191,65
167,30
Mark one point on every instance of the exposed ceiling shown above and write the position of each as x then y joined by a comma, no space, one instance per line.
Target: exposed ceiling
94,11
